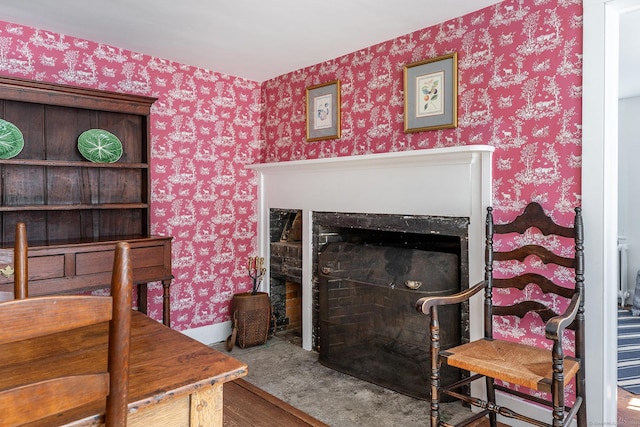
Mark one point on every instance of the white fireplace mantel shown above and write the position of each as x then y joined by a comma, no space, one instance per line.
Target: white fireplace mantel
443,181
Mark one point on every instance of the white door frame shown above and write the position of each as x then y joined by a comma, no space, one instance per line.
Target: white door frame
600,201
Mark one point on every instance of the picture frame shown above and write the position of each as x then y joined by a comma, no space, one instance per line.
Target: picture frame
431,94
323,111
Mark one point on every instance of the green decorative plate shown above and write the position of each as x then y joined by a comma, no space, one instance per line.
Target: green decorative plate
11,140
99,146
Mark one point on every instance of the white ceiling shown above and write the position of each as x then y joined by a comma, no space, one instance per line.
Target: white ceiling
262,39
253,39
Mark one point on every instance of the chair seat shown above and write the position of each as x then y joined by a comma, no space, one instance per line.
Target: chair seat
511,362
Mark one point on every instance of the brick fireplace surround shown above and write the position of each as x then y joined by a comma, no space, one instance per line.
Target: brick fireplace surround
452,182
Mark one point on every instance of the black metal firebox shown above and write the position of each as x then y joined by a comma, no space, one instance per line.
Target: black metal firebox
368,282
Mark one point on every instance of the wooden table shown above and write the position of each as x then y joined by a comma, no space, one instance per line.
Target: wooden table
174,380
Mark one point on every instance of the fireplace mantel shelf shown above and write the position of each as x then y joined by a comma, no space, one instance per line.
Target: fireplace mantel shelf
368,160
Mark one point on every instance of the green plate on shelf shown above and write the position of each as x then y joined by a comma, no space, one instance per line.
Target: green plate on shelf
99,146
11,140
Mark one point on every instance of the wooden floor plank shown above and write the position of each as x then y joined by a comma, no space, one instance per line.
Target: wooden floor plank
628,408
248,405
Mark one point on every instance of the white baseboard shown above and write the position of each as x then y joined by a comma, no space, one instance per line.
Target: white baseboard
210,334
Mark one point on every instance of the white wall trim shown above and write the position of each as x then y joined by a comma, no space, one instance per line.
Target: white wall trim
600,200
210,334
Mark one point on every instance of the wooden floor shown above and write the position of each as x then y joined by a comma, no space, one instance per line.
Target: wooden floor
248,405
628,408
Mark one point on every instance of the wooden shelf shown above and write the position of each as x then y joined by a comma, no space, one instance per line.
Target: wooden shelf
50,186
66,163
74,207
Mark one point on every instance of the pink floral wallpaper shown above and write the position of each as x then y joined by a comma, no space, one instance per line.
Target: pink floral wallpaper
205,127
519,65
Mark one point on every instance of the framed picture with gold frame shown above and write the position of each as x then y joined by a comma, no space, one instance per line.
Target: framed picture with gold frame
323,111
431,94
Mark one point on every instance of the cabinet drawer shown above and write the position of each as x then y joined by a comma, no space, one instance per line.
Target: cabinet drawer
40,268
102,261
94,262
83,267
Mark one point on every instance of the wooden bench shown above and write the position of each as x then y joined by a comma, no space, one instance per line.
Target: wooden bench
248,405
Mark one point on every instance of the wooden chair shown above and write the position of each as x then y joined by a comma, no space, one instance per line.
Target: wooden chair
499,361
20,263
29,318
19,269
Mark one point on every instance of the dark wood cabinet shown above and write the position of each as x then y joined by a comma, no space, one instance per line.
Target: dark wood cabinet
66,200
51,187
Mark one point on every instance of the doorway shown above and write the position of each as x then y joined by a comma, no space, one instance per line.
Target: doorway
600,198
629,152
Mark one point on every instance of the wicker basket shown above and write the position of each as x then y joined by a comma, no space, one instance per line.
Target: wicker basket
251,314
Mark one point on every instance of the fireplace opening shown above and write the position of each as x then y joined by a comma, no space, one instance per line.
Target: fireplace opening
286,272
370,271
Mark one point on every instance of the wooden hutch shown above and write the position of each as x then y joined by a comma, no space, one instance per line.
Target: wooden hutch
76,210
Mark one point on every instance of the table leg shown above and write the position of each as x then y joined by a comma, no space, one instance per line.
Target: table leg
142,298
207,407
166,303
